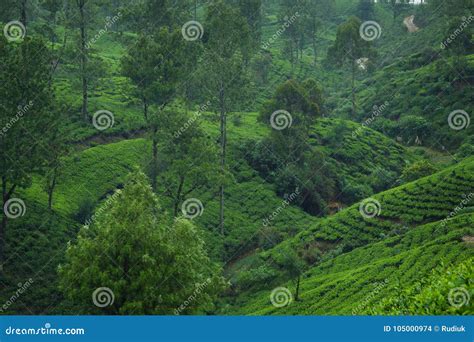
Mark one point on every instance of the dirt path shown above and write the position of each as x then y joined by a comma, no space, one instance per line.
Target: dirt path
408,22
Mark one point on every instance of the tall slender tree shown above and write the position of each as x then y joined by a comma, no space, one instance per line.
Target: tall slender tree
25,117
189,156
156,66
222,70
143,250
348,48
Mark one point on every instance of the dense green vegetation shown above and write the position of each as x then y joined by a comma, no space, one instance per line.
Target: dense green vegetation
230,149
344,246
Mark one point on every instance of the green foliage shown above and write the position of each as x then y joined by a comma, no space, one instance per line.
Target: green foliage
302,100
353,264
154,74
370,279
189,156
26,114
409,206
130,248
349,44
417,170
446,291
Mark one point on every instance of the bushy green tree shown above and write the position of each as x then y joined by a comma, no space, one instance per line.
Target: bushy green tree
312,13
302,101
223,74
189,156
348,48
156,66
26,119
150,264
417,170
293,266
294,33
252,12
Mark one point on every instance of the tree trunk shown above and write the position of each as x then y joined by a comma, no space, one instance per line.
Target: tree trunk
23,12
3,227
314,50
223,118
178,196
154,158
55,63
51,187
297,292
313,40
145,108
353,90
81,4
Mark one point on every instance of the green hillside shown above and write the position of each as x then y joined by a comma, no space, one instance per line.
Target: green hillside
396,213
321,162
356,282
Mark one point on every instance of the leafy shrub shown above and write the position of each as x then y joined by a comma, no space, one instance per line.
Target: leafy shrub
417,170
255,277
84,211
